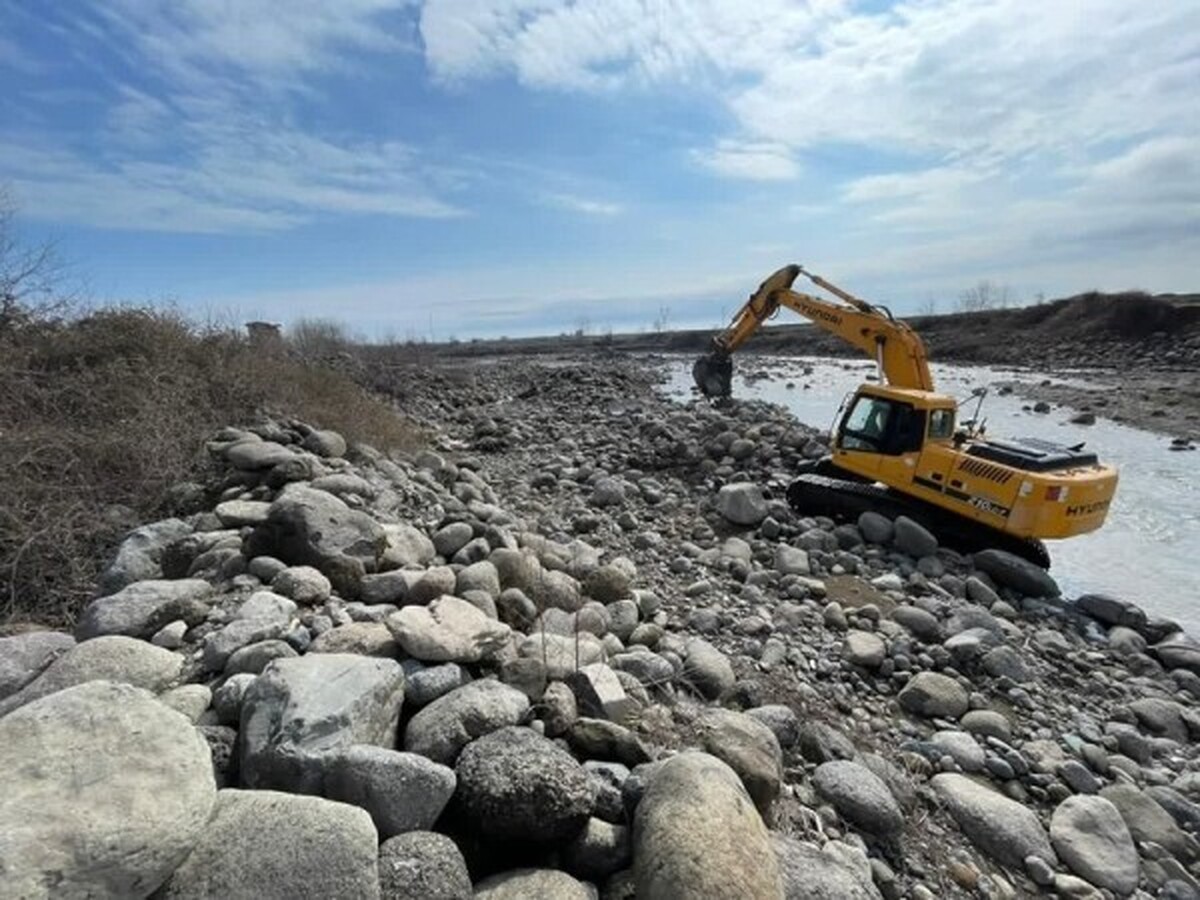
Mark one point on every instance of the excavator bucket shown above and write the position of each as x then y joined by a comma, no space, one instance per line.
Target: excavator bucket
713,374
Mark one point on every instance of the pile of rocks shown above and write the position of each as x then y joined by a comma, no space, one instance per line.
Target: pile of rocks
583,649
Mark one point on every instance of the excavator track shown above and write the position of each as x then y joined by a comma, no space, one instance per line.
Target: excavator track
815,494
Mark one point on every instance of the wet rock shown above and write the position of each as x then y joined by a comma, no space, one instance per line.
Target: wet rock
514,783
448,630
697,835
1111,610
279,846
1091,838
71,764
422,865
1017,573
1002,828
861,798
449,723
142,608
742,503
24,656
934,695
301,708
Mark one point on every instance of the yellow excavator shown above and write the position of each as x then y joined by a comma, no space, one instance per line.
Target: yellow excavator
899,448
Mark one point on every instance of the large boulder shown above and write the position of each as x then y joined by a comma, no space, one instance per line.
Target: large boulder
1091,838
24,656
103,792
912,538
142,608
110,658
1003,828
742,503
934,695
306,526
265,845
449,723
402,791
810,873
1149,822
140,555
859,796
301,708
707,669
448,630
1112,610
1019,574
515,784
526,884
748,747
422,865
697,834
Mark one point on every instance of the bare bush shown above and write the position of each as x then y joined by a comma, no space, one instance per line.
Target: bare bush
319,339
30,275
985,295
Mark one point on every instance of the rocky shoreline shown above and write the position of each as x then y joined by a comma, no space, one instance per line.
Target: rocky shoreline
583,648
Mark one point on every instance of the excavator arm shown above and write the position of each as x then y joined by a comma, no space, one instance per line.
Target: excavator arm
895,347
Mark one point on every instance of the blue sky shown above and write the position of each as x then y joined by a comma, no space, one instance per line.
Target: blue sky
475,167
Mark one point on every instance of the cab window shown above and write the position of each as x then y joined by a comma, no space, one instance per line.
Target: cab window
882,426
941,423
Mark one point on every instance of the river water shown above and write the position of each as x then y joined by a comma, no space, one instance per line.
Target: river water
1149,548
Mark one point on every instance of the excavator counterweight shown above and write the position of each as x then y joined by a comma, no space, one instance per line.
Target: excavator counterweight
900,447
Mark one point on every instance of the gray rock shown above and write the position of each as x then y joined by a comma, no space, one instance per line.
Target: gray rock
864,648
422,865
328,444
695,834
933,695
742,503
562,654
860,797
448,630
608,584
912,538
139,557
253,658
303,584
875,528
311,527
1179,651
922,624
1111,610
142,608
72,765
275,846
1019,574
300,708
451,538
189,700
1091,838
809,873
24,656
988,723
406,546
748,747
423,685
707,669
599,850
518,569
1006,662
1148,821
781,720
253,455
361,638
556,590
960,747
479,576
1000,827
402,791
820,743
239,513
514,783
525,884
791,560
113,658
449,723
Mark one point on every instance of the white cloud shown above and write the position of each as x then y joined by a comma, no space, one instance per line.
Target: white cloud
588,206
753,160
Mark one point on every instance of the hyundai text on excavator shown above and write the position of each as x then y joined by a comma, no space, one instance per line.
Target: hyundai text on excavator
899,448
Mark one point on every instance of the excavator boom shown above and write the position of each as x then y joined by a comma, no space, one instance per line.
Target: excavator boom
895,347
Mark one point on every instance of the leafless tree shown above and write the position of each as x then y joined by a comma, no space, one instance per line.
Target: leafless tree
985,295
928,306
30,275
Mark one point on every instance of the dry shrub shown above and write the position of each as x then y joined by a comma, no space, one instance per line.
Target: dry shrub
100,415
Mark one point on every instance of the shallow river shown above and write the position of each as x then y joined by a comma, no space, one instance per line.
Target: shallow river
1148,550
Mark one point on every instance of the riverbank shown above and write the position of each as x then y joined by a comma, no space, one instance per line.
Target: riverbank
587,585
